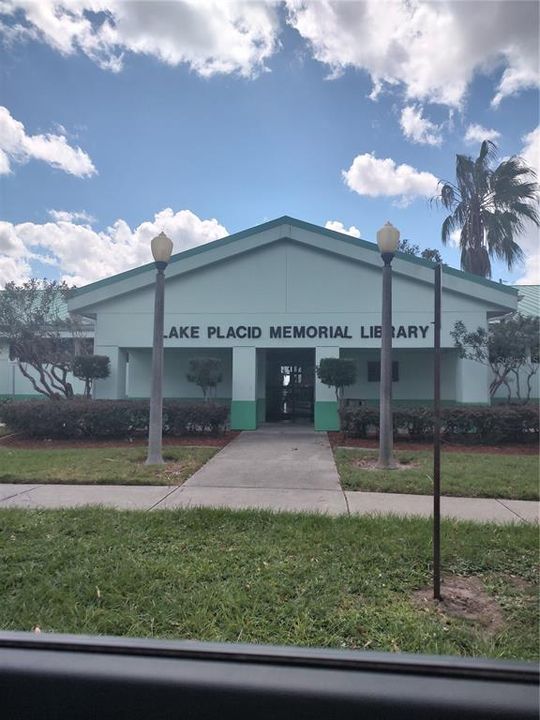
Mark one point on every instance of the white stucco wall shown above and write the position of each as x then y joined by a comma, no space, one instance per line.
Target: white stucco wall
175,368
415,382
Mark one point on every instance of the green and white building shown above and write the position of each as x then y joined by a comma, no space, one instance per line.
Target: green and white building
271,302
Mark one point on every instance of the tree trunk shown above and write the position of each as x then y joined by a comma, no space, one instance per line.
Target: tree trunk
47,387
532,372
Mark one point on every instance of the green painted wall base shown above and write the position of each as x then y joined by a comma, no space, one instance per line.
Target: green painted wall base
419,402
326,415
243,415
33,396
261,410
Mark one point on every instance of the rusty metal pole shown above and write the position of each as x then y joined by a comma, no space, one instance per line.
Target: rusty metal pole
437,438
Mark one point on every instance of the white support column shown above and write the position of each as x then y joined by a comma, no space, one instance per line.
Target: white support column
113,387
472,382
244,389
326,409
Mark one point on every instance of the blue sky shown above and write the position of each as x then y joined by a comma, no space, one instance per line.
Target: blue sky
262,138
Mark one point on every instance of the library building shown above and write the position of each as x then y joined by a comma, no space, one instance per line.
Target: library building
269,303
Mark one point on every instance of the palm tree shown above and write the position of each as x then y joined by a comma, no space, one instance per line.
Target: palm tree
491,208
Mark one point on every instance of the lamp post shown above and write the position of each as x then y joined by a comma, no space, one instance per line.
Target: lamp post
161,251
387,240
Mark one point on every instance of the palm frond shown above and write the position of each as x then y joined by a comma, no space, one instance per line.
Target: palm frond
449,224
448,196
515,166
527,211
501,228
512,254
487,154
465,175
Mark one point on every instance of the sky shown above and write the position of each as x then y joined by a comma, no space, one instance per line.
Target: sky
122,119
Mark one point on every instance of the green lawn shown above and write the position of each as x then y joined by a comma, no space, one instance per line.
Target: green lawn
119,466
260,577
462,474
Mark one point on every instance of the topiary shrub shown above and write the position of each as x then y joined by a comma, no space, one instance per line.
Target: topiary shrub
206,372
90,368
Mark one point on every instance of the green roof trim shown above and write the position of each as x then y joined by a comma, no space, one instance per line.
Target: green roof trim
482,281
303,225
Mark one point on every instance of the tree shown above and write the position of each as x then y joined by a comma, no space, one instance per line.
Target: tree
337,373
205,372
527,335
41,334
508,347
409,248
90,368
490,207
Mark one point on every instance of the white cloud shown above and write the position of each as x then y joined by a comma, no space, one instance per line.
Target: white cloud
83,254
520,74
338,226
531,274
14,256
13,270
419,129
531,150
455,238
68,216
530,240
376,177
477,134
16,146
432,49
210,36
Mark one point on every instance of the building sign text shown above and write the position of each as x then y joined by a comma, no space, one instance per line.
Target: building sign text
292,332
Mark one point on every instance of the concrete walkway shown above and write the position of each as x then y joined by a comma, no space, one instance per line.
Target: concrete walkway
288,468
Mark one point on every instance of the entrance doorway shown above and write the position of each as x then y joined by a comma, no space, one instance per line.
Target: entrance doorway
290,385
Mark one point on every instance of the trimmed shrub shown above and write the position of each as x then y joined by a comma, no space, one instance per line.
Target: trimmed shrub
205,372
473,424
499,424
90,368
359,422
109,418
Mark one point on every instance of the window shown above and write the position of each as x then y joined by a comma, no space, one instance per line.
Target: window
374,371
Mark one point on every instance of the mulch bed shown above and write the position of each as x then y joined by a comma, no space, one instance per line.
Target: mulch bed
338,439
22,442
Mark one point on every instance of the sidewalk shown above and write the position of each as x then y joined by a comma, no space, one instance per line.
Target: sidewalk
332,502
283,468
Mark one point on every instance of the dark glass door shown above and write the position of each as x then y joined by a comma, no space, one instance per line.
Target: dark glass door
290,381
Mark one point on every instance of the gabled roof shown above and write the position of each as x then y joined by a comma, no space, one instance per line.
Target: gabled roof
218,249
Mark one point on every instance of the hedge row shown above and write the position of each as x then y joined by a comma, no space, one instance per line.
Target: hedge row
108,418
507,423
